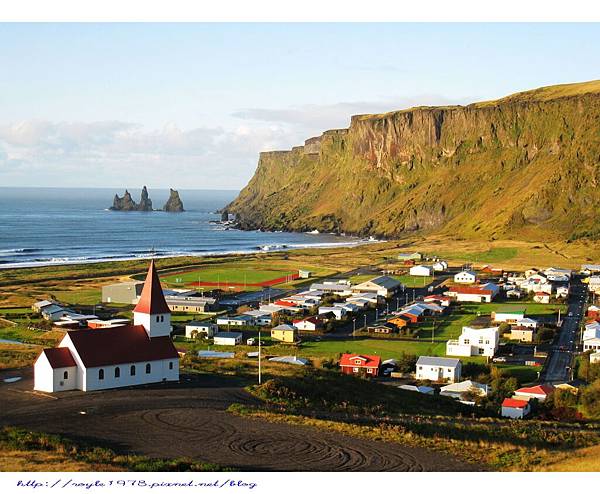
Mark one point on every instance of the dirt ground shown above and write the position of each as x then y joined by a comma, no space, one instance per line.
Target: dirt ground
190,420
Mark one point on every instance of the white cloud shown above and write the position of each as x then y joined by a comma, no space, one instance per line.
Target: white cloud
113,153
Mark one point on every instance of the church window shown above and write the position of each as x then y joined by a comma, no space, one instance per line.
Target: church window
101,374
66,375
117,372
170,365
132,370
148,368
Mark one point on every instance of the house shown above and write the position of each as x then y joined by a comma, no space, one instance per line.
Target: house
493,271
421,270
227,338
527,322
308,324
593,312
594,284
438,369
541,297
481,293
440,266
441,300
242,320
539,392
474,341
383,329
385,286
562,291
514,293
466,276
261,317
193,329
400,321
350,307
410,256
361,365
304,273
522,334
594,358
460,389
558,274
515,409
338,312
138,353
413,314
591,344
510,314
590,268
285,333
191,304
127,292
426,390
38,306
341,289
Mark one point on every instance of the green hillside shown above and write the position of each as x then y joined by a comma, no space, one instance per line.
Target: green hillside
525,166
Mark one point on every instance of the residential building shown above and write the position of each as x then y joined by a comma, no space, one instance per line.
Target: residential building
591,344
261,317
473,341
440,266
241,320
460,389
227,338
466,276
426,390
361,365
522,334
421,270
480,293
138,353
341,289
438,369
541,297
304,273
285,333
385,286
539,392
515,409
594,358
400,321
191,304
410,256
590,269
38,306
594,284
193,329
338,312
510,314
308,324
442,300
383,328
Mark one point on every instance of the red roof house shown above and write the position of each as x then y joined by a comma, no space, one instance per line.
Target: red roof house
515,409
366,365
539,392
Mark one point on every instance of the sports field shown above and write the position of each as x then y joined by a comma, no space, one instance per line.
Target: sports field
224,277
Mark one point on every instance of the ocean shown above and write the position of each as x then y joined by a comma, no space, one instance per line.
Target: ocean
46,226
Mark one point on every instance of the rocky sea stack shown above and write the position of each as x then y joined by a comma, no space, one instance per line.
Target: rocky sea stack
174,204
126,203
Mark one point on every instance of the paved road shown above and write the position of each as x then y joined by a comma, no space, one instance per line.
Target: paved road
560,359
190,420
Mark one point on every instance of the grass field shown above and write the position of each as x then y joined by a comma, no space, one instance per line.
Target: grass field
82,296
494,254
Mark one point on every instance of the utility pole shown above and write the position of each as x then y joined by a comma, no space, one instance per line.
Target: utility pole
433,330
365,322
259,358
414,291
353,327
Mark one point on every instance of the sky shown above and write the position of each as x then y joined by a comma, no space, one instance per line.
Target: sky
191,105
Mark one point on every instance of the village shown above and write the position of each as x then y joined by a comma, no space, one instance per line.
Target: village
477,334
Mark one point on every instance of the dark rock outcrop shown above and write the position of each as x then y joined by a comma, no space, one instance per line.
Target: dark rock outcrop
126,203
174,203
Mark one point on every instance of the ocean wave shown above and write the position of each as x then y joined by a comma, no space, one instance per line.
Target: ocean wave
21,251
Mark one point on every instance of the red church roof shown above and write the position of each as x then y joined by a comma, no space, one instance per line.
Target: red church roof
59,357
152,299
120,345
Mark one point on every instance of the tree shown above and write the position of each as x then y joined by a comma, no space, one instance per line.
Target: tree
590,400
545,334
407,362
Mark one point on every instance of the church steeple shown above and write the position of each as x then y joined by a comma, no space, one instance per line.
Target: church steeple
152,310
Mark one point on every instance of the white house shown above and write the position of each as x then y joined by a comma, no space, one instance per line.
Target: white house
421,270
562,291
458,390
194,329
541,297
515,409
540,392
595,358
465,277
227,338
440,266
426,390
133,354
509,314
479,293
592,344
308,324
473,341
261,317
243,320
338,312
527,322
438,369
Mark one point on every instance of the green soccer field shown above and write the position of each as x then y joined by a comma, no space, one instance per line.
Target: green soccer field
224,275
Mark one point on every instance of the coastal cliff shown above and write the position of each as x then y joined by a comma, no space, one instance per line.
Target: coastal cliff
527,165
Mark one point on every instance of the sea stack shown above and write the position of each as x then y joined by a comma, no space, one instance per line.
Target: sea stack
126,203
174,203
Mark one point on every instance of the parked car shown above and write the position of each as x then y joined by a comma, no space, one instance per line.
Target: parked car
250,342
499,359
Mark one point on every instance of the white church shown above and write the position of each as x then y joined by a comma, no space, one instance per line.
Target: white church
93,359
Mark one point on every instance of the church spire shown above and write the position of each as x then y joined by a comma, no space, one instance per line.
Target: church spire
152,299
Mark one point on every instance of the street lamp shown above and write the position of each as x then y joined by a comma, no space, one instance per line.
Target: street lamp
259,355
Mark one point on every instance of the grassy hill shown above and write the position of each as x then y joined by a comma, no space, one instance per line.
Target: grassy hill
522,167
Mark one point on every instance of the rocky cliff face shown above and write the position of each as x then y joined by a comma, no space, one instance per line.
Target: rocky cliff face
126,203
526,165
174,203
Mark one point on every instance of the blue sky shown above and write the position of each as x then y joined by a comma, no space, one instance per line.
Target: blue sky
191,105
